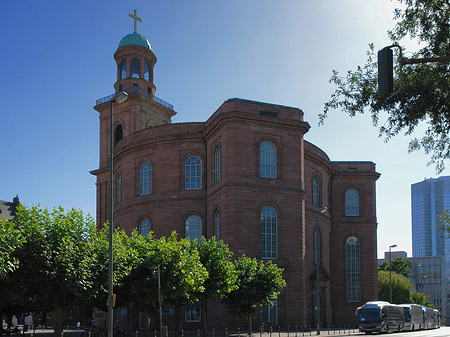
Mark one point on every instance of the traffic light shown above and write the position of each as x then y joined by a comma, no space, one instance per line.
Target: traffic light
385,72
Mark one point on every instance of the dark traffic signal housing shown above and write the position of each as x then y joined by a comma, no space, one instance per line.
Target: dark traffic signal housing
385,72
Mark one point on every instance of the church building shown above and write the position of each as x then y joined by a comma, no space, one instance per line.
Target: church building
247,176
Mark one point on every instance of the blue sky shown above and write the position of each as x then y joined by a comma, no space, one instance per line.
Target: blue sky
57,59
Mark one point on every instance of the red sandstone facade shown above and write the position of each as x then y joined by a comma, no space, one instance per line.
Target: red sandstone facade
305,180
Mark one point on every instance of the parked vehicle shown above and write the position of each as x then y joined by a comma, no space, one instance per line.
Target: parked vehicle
379,316
414,318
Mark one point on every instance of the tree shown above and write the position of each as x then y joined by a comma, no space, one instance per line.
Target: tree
216,258
425,95
399,266
181,272
54,264
10,240
421,298
401,288
258,284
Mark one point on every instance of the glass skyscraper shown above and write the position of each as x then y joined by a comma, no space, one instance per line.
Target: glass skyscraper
429,199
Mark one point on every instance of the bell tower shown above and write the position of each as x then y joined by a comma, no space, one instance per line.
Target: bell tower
135,62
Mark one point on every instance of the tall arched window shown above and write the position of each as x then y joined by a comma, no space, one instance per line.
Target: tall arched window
119,188
317,243
193,173
193,228
353,270
315,190
217,224
217,158
123,70
267,160
352,203
135,71
146,71
144,227
145,178
118,133
268,233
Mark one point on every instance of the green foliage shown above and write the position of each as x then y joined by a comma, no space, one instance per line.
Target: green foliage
216,258
54,263
425,95
401,288
399,266
182,274
421,298
259,282
10,240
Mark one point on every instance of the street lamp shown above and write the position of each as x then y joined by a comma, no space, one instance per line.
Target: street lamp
317,260
118,98
390,273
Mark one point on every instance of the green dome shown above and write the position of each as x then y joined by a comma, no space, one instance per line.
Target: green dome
135,39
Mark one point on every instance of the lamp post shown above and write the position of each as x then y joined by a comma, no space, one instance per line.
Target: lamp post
317,260
390,273
118,98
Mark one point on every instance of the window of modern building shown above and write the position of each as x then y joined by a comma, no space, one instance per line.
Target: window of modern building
317,243
193,173
217,224
193,228
145,178
267,160
217,158
270,314
146,71
268,233
352,203
144,227
123,70
119,188
135,72
316,191
353,270
192,314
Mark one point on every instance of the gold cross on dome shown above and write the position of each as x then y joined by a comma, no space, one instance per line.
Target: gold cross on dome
135,18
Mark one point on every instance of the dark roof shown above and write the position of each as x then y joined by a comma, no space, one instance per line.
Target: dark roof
8,209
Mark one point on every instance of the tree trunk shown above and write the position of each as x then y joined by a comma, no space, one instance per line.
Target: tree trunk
177,318
58,328
204,317
249,324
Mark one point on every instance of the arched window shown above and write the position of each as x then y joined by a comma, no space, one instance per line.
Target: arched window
353,270
193,228
145,178
135,71
123,70
146,71
317,243
315,190
267,160
144,227
119,188
193,173
268,233
118,134
352,203
217,224
217,158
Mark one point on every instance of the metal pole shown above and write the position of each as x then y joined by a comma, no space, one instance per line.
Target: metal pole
160,301
110,234
317,253
390,273
118,98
